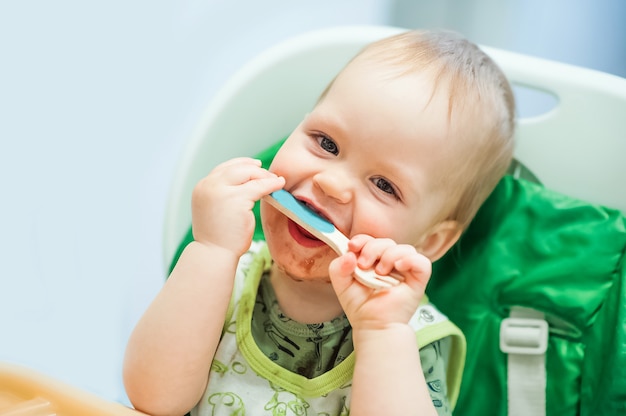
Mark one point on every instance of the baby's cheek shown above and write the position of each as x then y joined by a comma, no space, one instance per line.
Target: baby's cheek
269,218
390,226
377,226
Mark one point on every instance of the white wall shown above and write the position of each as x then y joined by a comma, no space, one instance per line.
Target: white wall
589,33
96,100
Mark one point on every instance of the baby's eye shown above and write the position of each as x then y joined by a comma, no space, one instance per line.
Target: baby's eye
385,186
328,145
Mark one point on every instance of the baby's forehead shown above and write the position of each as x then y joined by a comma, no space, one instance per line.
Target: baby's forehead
436,78
468,102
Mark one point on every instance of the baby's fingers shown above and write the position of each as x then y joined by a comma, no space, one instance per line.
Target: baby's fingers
388,255
340,271
358,241
259,187
372,251
417,270
242,178
255,181
241,170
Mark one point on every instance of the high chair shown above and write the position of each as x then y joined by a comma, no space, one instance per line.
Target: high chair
560,303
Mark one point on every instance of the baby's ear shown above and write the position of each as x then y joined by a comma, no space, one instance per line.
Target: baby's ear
439,239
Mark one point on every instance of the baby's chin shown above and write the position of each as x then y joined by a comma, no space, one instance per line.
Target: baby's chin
303,269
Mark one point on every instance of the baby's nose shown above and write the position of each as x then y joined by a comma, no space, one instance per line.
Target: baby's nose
335,184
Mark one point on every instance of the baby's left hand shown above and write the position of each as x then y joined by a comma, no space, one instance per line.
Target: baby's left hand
367,308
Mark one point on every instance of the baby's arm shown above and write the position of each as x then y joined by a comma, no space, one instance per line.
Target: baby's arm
170,351
388,377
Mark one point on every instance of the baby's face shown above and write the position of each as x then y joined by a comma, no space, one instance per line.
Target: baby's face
366,158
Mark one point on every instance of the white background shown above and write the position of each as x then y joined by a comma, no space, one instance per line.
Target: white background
96,101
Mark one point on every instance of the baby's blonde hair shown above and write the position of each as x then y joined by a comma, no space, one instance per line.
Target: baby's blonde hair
481,110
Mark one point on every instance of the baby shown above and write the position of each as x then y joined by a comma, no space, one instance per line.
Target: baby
399,153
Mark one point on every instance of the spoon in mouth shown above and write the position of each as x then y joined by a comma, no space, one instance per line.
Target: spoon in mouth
327,232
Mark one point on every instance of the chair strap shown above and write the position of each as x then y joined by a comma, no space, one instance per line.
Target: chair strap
524,337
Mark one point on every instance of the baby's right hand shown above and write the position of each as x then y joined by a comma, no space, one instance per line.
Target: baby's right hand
222,203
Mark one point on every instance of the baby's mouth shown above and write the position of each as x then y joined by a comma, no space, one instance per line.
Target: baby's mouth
302,236
299,233
305,233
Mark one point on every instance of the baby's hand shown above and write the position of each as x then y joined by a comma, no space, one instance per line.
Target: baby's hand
367,308
222,203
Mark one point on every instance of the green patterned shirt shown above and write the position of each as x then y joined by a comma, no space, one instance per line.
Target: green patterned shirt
268,364
313,349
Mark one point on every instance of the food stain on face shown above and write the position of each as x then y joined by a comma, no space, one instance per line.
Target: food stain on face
307,263
287,252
